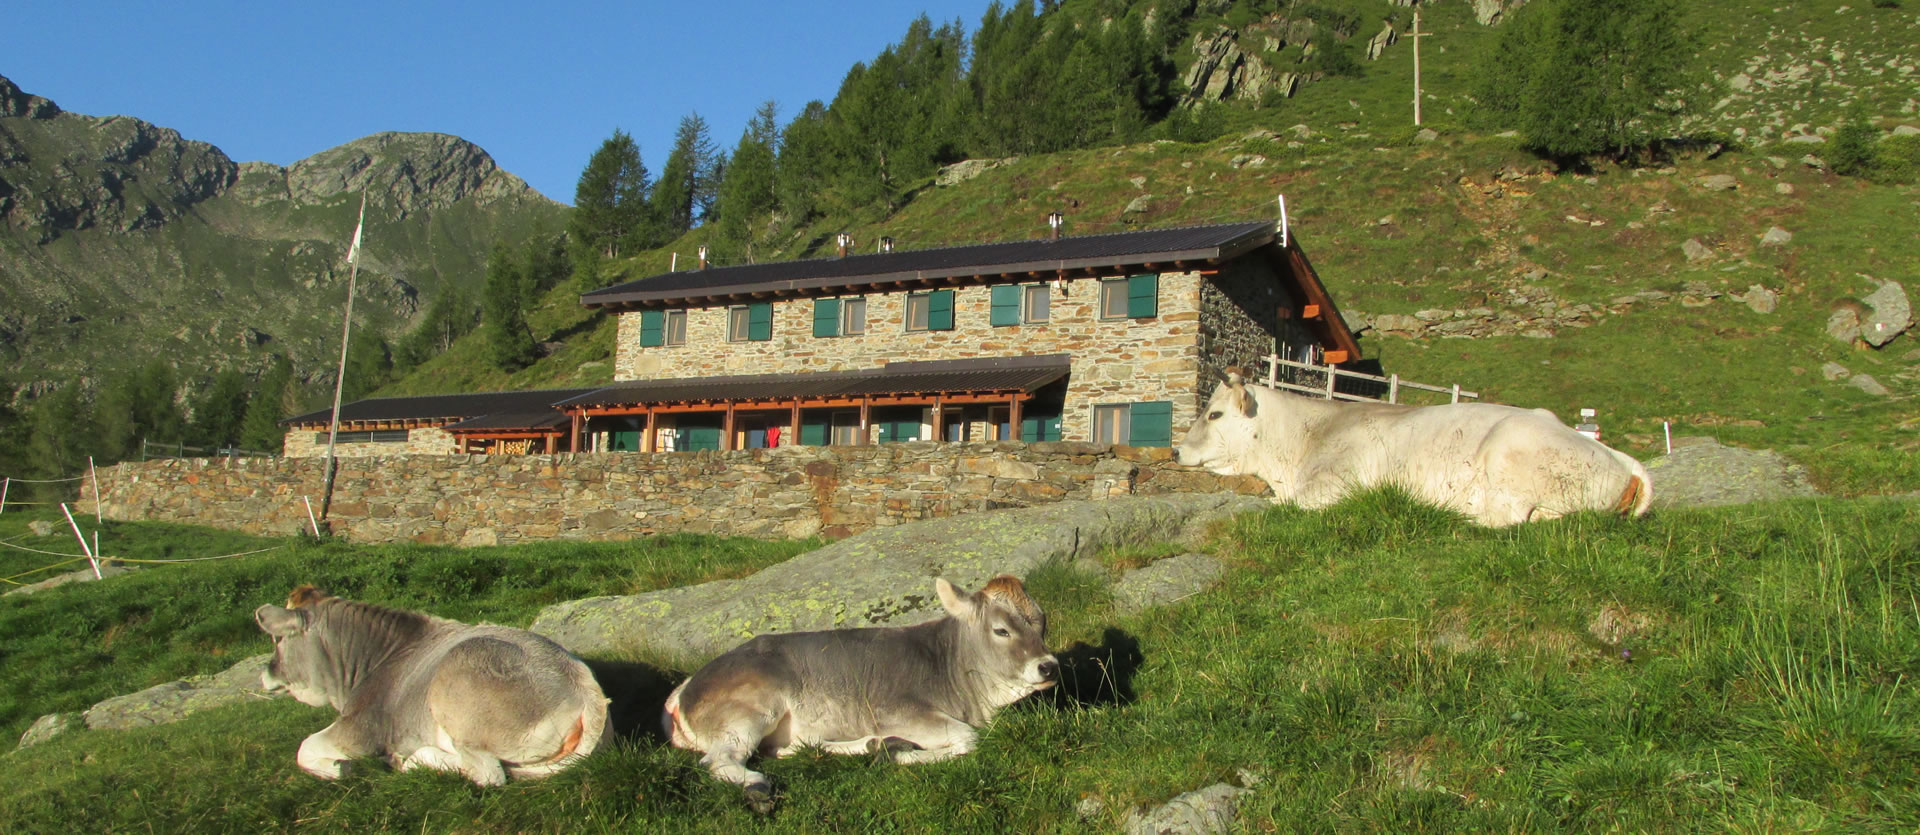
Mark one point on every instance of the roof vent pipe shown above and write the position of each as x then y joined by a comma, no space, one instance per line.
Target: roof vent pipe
886,243
703,256
1054,221
844,242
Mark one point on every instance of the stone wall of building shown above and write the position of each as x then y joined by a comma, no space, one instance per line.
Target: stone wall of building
783,492
1239,314
306,443
1114,360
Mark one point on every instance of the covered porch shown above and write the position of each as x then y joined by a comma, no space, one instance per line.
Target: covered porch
1004,398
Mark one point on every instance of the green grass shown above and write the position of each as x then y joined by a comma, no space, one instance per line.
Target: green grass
1379,666
68,647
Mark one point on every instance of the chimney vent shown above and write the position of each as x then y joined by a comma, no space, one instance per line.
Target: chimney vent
1054,222
886,243
844,242
703,256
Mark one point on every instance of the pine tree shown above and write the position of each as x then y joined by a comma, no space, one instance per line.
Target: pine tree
219,409
57,446
503,315
260,425
676,197
369,365
1586,77
610,201
800,171
748,193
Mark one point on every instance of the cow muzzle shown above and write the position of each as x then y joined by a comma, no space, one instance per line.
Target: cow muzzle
1045,673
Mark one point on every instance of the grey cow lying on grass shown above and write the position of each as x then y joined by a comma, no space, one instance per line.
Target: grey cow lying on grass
914,693
483,701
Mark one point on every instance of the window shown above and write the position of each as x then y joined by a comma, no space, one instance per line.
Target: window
750,322
853,316
1133,297
930,311
840,317
663,327
1134,424
377,436
1039,305
1014,304
846,429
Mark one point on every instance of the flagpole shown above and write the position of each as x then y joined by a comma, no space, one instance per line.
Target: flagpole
346,331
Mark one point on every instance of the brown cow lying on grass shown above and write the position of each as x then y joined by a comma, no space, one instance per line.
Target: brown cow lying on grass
914,693
484,701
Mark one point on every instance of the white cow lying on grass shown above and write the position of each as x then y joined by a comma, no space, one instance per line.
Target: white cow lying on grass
484,701
912,693
1500,465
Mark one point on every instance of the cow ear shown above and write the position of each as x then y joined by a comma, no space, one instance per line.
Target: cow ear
1248,405
956,602
1234,377
278,622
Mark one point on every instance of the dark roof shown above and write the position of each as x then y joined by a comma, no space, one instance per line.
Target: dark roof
1091,253
440,407
1024,374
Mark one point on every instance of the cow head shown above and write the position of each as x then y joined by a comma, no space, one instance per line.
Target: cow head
297,656
1219,437
1004,637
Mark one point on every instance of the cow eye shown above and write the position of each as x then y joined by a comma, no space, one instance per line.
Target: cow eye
1002,632
1214,415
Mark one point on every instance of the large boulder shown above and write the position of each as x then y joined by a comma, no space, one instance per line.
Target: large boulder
1889,314
881,577
1702,472
173,701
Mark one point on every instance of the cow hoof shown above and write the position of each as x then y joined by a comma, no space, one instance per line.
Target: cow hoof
760,798
888,750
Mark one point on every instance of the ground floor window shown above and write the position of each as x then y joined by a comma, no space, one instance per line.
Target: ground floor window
1134,424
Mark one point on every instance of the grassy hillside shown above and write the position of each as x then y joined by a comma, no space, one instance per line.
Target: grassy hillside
1472,223
1379,666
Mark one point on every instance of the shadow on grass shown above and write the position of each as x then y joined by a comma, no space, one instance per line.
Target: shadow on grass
1098,676
638,693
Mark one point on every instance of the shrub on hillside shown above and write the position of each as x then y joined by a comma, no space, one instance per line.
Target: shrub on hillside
1852,152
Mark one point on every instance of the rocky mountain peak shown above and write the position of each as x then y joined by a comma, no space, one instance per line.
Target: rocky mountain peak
15,102
407,172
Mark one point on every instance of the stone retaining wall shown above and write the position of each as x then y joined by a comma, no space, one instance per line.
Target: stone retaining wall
784,492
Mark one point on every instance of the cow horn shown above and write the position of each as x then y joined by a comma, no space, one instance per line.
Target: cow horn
1236,377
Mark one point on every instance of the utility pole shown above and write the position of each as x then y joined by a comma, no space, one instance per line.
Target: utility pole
1417,35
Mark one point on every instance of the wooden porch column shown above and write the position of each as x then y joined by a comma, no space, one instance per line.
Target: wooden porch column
578,419
1013,418
649,439
939,421
793,439
866,419
726,433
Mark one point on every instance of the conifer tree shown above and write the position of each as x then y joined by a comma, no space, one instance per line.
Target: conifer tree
610,201
219,409
260,426
677,196
1587,77
747,193
503,315
801,169
57,446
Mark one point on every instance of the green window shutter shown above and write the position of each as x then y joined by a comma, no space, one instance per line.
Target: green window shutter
697,438
760,322
814,432
623,442
1006,305
826,317
652,328
1150,424
1040,428
940,310
1143,295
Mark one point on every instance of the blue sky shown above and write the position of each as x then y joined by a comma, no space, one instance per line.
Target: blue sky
537,85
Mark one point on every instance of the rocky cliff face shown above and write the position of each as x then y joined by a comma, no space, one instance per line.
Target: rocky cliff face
121,240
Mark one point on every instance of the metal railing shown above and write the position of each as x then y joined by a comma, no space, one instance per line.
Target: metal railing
150,450
1323,381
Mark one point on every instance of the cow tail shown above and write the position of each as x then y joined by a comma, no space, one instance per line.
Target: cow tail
1637,497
